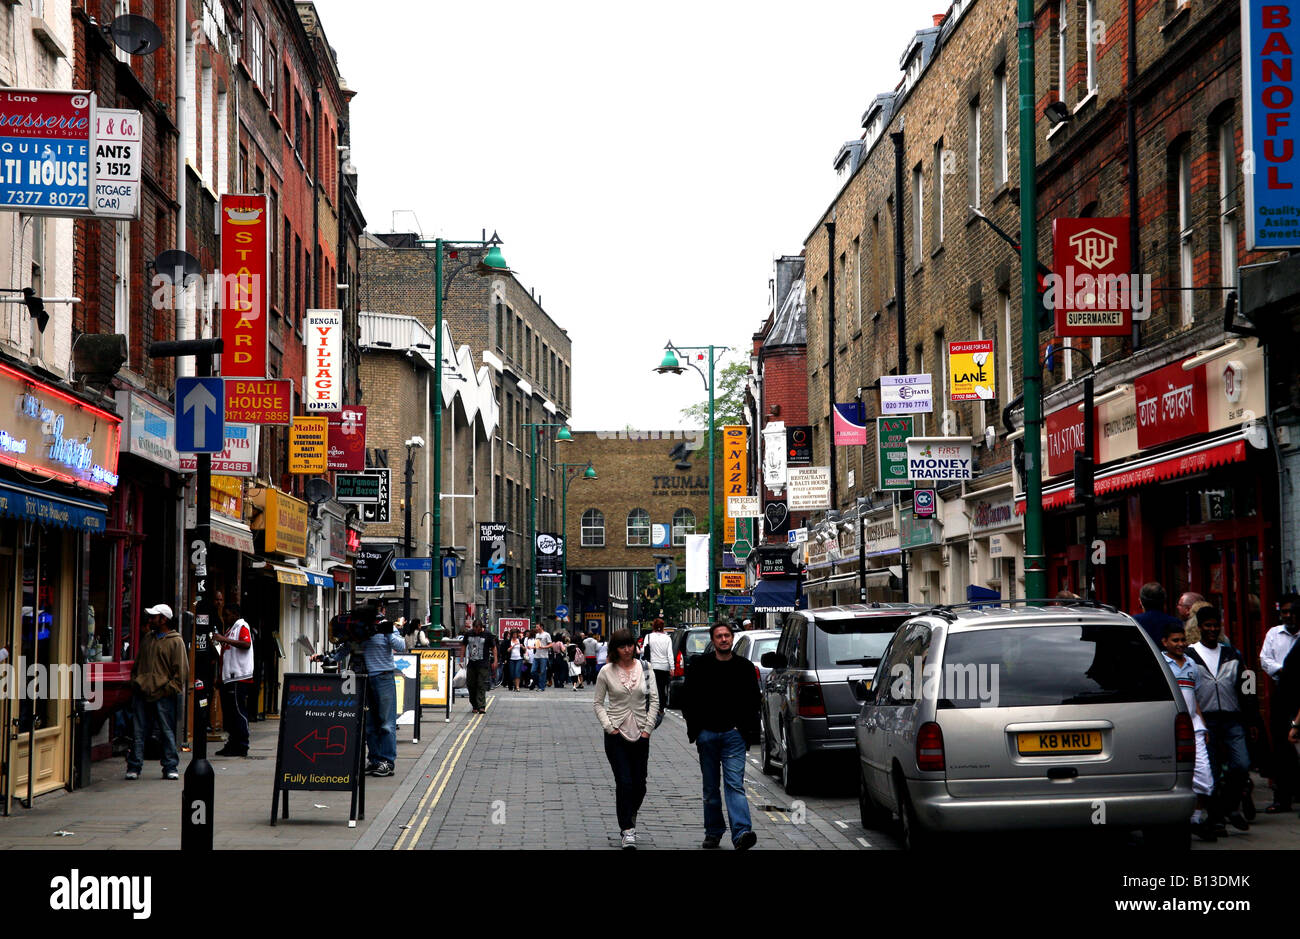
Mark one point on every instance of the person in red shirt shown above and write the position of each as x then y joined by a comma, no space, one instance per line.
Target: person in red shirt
236,678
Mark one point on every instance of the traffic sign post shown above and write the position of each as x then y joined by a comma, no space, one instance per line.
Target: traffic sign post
741,549
200,415
561,611
450,567
412,564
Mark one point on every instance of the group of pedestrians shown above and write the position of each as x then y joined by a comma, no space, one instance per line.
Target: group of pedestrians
535,660
1222,697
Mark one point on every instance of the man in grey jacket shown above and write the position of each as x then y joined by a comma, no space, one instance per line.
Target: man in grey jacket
1224,702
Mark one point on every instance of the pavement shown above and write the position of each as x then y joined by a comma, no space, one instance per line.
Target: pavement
529,774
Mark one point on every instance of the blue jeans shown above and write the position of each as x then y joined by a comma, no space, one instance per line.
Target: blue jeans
539,671
515,666
725,750
146,715
381,723
1228,758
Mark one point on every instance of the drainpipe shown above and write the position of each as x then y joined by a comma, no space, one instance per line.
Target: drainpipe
1130,131
900,291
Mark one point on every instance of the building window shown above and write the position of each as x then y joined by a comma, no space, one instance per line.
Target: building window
500,326
638,528
1093,28
1062,49
683,525
1186,260
1000,125
938,192
1228,205
122,280
256,64
593,528
973,156
918,209
1004,307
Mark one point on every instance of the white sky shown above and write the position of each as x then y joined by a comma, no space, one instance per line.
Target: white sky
642,163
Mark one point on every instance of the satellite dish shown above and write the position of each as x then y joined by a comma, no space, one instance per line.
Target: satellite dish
169,261
136,35
319,490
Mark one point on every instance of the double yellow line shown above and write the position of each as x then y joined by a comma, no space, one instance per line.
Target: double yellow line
440,778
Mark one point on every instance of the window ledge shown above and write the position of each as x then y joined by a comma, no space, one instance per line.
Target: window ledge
1184,10
1056,129
856,335
1088,99
937,251
46,37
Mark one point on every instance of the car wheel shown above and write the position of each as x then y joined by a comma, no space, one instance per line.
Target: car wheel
869,813
765,741
1166,838
791,770
915,838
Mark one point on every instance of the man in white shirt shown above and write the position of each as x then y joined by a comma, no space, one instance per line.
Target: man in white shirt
541,656
659,650
589,650
1277,645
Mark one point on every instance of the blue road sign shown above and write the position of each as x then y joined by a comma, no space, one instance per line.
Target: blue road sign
200,415
736,601
450,567
412,564
489,582
664,572
561,611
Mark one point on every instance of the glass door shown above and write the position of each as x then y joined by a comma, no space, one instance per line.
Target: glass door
43,645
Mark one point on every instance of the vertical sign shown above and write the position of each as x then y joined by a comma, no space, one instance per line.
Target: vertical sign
45,159
1093,294
798,445
117,163
492,555
891,451
735,470
347,439
322,388
1270,36
244,265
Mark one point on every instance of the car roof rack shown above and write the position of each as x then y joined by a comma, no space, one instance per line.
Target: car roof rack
948,611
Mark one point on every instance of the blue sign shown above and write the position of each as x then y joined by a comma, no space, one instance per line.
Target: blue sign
490,582
736,601
412,564
45,136
1270,31
450,567
661,535
200,415
664,573
561,611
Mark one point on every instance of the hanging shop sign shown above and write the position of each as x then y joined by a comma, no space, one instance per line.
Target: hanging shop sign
46,140
374,568
1092,292
237,458
245,261
798,445
1270,37
735,471
776,519
259,401
924,503
731,580
322,386
850,420
1171,404
347,439
774,455
308,445
1064,436
906,394
550,554
148,429
808,488
971,367
379,509
492,555
891,452
51,433
227,496
118,144
286,524
937,458
743,506
776,562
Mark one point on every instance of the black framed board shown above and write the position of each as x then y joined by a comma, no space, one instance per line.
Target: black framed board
322,719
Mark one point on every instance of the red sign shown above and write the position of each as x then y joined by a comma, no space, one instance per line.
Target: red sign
1092,291
1171,404
244,266
508,623
1064,436
259,401
347,439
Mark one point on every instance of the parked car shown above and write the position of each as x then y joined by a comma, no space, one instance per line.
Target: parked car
687,641
753,644
1025,718
813,691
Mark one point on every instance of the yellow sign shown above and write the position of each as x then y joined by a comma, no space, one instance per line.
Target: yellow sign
286,524
731,580
308,445
433,676
228,496
971,369
735,470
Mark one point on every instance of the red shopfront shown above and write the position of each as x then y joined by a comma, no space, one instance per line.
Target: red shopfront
1186,492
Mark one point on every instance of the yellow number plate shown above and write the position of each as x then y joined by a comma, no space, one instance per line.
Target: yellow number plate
1059,742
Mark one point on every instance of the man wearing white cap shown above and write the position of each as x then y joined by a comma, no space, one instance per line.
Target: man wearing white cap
158,676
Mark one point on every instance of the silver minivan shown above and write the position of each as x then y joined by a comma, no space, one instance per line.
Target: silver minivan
1002,718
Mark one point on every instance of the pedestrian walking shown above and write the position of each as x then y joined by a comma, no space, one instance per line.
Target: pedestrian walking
541,656
159,675
1227,709
627,705
578,666
589,646
516,661
602,654
1188,676
1153,618
720,704
1278,645
481,656
236,678
659,653
559,661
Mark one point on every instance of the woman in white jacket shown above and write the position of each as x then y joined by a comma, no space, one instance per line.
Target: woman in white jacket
627,704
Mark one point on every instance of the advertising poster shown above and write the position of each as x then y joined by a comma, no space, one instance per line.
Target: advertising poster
492,555
118,142
45,138
850,424
322,387
347,440
971,366
906,394
891,452
434,666
1270,38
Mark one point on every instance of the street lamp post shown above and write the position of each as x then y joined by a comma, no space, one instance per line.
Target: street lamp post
534,431
412,444
490,264
671,364
588,473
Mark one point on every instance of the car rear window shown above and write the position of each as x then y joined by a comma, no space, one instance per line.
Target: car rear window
762,646
1037,666
855,643
695,642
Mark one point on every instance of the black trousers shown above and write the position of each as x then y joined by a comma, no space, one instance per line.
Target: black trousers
1286,767
662,678
629,761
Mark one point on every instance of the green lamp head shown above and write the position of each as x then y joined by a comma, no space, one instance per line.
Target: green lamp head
670,363
564,434
589,472
493,262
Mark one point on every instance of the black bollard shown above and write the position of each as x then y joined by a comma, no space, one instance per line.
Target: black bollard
200,782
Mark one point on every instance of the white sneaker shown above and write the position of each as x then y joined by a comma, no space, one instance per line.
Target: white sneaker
629,840
132,775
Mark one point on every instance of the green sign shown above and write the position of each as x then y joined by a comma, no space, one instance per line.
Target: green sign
917,532
741,549
891,452
745,530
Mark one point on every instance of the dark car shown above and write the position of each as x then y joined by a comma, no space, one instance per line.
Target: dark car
687,641
816,687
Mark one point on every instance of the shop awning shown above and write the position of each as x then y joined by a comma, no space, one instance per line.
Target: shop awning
231,534
775,596
1134,473
52,508
300,577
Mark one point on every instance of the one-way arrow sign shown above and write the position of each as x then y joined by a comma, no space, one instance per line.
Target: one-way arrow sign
200,415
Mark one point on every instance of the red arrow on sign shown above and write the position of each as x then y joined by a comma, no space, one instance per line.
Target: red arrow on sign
332,743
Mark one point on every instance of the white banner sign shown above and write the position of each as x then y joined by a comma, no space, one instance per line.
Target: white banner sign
697,563
774,455
808,488
938,459
118,136
743,507
323,384
239,458
906,394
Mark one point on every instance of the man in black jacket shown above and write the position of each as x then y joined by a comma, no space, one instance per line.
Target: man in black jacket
721,702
